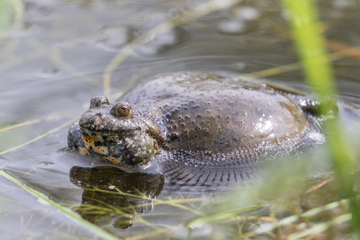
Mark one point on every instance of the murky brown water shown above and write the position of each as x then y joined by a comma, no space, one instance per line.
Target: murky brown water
53,65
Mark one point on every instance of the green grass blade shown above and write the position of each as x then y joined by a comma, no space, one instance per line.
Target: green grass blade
318,228
312,52
74,216
11,13
223,215
310,45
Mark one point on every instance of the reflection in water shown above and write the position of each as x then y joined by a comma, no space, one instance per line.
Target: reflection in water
113,196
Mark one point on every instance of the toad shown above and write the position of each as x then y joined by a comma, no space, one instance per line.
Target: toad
198,121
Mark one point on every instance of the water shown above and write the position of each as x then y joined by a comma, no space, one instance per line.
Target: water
53,65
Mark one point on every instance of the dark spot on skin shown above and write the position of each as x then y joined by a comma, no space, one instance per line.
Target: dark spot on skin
173,135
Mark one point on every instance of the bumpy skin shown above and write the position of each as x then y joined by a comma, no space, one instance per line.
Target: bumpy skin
195,120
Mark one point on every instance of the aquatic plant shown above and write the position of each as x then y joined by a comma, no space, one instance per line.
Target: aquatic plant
306,30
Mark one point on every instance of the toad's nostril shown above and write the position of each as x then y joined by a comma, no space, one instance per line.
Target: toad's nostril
98,101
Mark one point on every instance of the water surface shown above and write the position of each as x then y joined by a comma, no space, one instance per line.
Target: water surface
54,63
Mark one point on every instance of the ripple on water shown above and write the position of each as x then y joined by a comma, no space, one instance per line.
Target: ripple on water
113,38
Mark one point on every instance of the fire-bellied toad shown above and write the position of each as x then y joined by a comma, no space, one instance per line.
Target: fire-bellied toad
196,120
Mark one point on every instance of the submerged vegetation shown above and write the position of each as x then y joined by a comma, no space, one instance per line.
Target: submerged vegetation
289,202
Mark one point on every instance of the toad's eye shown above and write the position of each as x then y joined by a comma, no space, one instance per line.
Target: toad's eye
121,109
98,101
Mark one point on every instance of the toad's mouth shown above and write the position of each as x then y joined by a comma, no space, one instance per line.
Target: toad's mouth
109,130
105,132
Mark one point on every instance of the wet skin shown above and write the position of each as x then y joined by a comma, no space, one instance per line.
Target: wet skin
195,119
